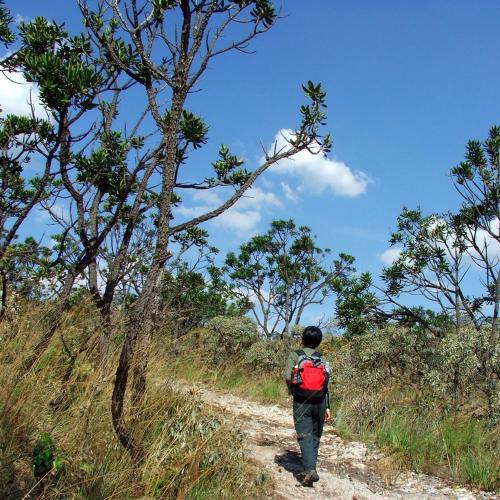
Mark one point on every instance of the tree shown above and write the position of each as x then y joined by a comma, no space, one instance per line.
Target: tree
6,35
477,180
72,83
113,171
25,267
164,48
432,264
440,254
22,188
356,304
281,273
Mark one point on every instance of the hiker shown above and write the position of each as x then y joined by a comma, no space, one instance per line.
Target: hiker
307,374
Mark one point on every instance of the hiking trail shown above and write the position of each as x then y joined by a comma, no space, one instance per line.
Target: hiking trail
347,470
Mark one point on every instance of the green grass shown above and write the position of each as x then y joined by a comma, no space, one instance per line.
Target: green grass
463,449
271,390
481,470
234,377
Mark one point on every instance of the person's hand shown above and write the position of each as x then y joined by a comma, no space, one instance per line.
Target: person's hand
328,416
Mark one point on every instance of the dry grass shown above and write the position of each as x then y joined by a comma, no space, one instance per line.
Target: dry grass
192,452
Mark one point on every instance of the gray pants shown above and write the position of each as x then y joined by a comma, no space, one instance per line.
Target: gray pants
308,419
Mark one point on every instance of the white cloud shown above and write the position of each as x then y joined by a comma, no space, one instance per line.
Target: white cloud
192,211
253,197
266,183
243,217
237,220
389,256
18,19
207,196
256,197
316,173
290,193
17,96
486,242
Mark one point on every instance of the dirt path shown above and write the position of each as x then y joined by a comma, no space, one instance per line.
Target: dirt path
347,469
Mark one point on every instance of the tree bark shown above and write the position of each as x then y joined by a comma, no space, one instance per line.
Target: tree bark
3,306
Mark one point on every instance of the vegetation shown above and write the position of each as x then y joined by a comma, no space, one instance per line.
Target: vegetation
87,321
376,397
119,176
71,450
283,272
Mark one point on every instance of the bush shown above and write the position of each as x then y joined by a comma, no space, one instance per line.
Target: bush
228,337
419,396
269,355
448,367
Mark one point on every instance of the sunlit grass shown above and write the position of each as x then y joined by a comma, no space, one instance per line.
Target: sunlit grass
191,451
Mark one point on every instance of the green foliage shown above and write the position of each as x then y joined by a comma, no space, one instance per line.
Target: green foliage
159,6
25,266
268,355
45,456
228,337
477,177
228,170
263,12
313,116
106,166
354,304
448,367
61,65
193,293
20,136
6,35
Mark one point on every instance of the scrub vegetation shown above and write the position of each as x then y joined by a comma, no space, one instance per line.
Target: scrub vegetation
125,295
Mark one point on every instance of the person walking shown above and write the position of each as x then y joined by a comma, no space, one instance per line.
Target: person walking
307,375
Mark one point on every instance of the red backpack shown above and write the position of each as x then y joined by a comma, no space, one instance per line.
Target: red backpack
309,377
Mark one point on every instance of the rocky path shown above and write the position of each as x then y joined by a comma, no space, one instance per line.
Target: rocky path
347,469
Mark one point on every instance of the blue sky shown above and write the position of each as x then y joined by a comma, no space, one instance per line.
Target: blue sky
408,84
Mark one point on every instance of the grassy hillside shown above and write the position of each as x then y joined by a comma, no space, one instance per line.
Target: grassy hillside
66,447
56,437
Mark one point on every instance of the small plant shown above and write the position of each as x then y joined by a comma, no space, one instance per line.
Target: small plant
45,457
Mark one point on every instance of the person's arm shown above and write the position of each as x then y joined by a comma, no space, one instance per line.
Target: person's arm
328,414
290,363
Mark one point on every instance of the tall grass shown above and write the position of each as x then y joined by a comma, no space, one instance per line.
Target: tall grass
461,448
188,362
191,451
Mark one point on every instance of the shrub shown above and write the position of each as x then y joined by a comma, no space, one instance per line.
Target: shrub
448,367
269,355
228,337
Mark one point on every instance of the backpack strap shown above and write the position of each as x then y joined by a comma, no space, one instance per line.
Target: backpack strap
315,354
